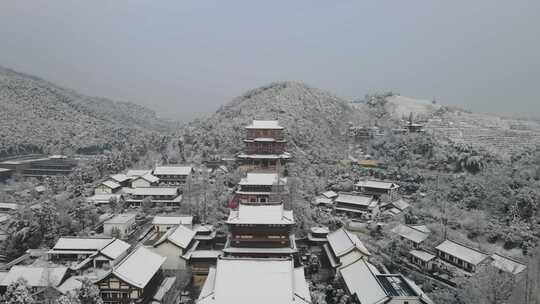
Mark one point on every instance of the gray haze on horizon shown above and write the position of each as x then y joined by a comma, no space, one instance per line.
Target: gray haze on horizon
184,59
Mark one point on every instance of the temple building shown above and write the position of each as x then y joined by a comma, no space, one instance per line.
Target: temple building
344,248
366,285
168,196
134,280
176,245
74,250
249,280
173,176
260,231
462,256
265,146
377,188
357,205
39,166
262,188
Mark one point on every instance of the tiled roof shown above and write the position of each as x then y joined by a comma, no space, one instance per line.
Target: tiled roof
462,252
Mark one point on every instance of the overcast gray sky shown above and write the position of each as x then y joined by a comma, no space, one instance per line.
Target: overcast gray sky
186,58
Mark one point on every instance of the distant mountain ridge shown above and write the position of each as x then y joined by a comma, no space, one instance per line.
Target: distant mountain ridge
38,116
317,122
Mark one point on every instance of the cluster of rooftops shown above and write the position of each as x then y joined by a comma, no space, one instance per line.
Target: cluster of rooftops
257,262
451,252
367,200
161,184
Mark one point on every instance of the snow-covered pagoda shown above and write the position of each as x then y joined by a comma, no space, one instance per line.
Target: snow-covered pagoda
265,146
262,188
260,231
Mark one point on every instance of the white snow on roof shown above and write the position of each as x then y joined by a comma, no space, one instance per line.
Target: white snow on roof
71,284
81,243
422,255
355,199
360,280
264,179
173,170
284,155
11,206
120,177
263,139
111,184
329,194
422,228
136,173
506,264
264,124
377,184
290,249
320,229
148,177
261,214
301,286
122,218
35,276
208,286
40,188
410,233
401,204
343,241
248,281
201,228
392,211
321,200
139,267
462,252
172,220
206,254
115,249
181,236
103,197
150,191
165,286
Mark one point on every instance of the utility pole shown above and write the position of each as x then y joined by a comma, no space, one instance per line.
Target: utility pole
527,282
205,183
443,218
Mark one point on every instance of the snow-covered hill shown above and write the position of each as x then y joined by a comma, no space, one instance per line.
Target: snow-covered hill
401,106
38,116
316,121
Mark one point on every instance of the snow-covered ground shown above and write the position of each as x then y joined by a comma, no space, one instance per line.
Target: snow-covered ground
401,106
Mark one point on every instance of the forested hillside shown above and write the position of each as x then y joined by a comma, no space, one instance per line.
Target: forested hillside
38,116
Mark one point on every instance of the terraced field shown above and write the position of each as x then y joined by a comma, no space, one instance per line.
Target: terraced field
499,135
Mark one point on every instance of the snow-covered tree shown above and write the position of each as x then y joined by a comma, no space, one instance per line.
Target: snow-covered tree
67,299
89,293
18,292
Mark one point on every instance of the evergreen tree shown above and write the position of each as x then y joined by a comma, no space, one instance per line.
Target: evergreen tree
47,217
